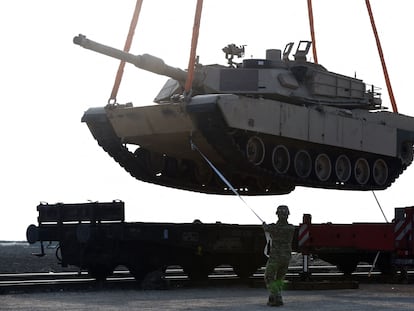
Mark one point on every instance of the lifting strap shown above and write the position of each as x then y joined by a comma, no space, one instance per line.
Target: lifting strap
381,55
194,40
128,42
312,31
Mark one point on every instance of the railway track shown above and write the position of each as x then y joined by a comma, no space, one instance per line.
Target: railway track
322,277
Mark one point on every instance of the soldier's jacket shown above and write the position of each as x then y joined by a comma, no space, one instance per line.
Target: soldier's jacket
282,236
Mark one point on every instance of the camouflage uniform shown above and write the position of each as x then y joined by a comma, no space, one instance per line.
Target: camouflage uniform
281,234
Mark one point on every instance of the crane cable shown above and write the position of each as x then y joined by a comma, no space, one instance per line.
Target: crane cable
128,42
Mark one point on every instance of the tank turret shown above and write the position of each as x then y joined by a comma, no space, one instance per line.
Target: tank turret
267,124
275,77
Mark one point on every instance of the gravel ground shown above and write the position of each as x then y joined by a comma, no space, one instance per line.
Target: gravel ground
17,257
367,297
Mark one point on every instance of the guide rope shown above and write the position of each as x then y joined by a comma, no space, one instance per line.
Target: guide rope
224,179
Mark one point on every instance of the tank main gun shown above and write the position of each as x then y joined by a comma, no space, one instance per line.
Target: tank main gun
146,61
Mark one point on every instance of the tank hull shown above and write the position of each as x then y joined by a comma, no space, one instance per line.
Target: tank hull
261,146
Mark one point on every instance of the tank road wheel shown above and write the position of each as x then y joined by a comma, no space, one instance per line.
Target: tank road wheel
343,168
323,167
361,171
380,172
303,163
255,150
280,159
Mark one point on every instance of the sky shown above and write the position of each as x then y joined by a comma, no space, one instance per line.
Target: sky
47,83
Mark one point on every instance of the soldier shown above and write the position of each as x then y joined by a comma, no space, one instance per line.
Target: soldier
281,235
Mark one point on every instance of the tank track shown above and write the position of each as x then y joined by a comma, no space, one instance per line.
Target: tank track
176,173
248,178
231,145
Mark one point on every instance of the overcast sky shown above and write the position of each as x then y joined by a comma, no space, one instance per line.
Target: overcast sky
47,83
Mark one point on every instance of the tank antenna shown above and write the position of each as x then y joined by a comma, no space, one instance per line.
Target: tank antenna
312,31
194,40
381,55
127,46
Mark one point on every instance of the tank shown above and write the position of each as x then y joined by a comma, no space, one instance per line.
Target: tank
268,125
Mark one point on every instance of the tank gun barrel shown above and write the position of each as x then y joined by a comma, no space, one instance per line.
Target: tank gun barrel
145,61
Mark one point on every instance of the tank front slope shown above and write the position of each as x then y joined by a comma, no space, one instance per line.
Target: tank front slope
153,143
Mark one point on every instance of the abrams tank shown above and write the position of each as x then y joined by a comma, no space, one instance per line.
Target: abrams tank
268,125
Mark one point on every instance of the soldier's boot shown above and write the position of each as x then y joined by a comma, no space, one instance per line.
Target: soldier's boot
278,301
275,300
271,300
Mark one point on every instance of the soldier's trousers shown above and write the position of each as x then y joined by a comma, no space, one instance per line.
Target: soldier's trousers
275,272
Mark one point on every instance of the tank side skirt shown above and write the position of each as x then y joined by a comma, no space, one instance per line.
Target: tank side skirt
229,144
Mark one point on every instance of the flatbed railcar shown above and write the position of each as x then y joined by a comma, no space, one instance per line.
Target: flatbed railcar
95,237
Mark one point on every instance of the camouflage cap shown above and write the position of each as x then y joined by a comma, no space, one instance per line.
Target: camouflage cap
282,210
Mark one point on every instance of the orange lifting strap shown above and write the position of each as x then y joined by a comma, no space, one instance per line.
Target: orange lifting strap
127,46
310,13
194,40
381,55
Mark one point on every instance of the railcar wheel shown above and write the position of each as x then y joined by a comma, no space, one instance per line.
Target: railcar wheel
303,163
280,159
244,271
323,167
198,273
138,273
380,172
255,150
343,168
100,272
361,171
347,266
